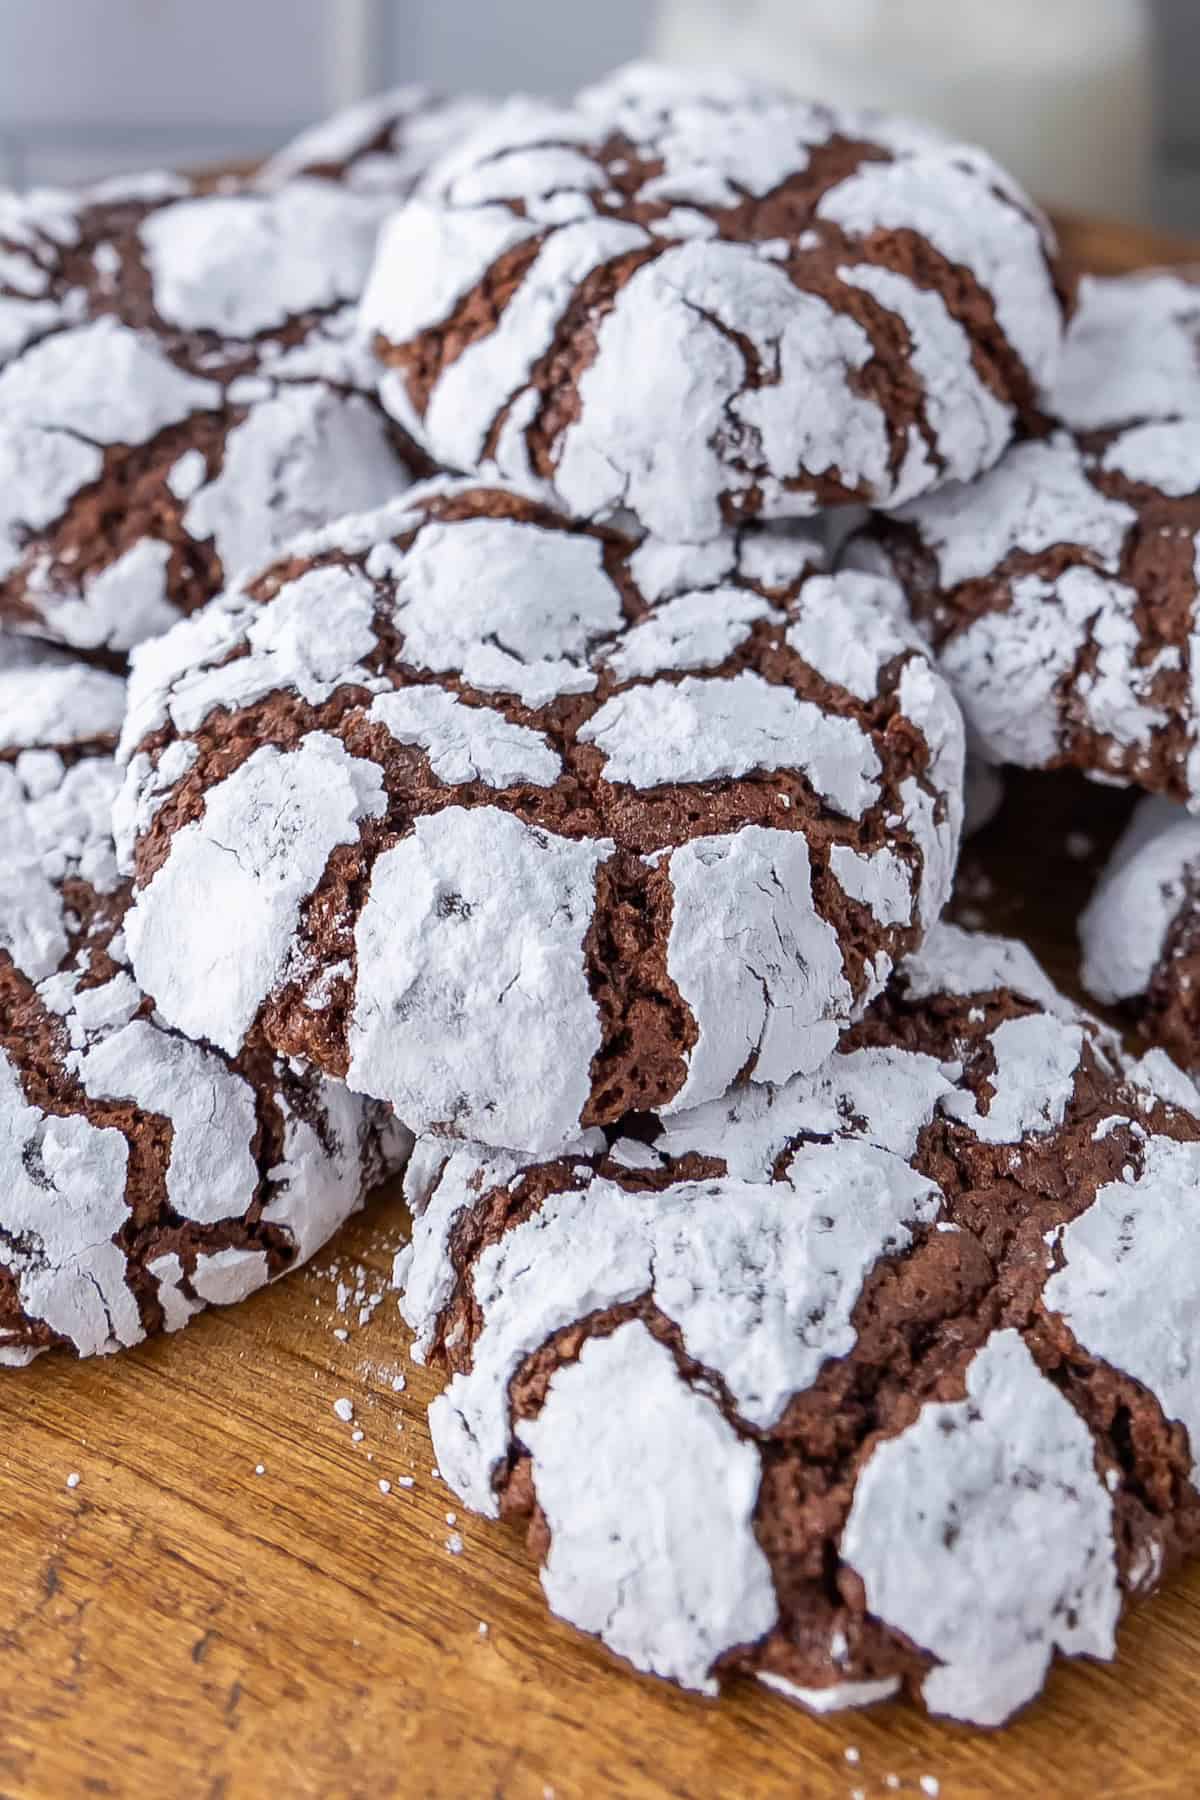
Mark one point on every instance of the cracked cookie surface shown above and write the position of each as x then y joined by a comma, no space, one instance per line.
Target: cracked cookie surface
180,391
142,1176
883,1380
1140,932
1059,593
1132,352
521,824
382,145
700,304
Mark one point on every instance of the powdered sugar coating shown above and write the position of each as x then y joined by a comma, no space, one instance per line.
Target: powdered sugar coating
440,944
1060,594
516,805
1132,351
767,997
143,1175
733,244
761,1281
799,1275
186,395
984,1533
1134,1242
380,145
1123,931
626,1557
265,837
48,699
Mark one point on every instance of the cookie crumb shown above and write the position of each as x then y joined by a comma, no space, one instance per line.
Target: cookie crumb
260,1468
344,1410
405,1481
852,1753
929,1784
73,1480
385,1487
454,1544
357,1435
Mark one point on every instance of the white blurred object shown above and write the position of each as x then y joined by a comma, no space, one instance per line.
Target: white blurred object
1059,90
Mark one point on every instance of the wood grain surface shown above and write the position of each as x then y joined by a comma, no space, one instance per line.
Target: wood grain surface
177,1624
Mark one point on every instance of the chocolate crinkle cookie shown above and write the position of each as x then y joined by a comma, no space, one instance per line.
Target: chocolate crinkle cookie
521,824
880,1381
180,391
142,1176
382,145
1059,593
700,303
1140,933
1133,351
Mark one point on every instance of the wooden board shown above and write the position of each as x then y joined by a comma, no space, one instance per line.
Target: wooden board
179,1625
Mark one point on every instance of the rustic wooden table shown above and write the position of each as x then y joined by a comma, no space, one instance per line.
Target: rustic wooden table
178,1623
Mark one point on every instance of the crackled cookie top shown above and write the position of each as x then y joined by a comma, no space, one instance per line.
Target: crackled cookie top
698,308
520,824
180,390
1132,352
1140,933
141,1175
1060,593
382,145
882,1379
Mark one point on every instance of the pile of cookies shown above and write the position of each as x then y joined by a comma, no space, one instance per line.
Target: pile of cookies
495,607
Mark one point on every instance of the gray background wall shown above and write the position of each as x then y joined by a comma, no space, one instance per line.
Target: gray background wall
89,87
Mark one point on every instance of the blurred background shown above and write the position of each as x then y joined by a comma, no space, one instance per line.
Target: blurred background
1093,102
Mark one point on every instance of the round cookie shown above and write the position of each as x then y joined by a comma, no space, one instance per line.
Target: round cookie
381,145
1140,932
142,1176
882,1381
1059,593
180,391
519,824
703,304
1133,351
